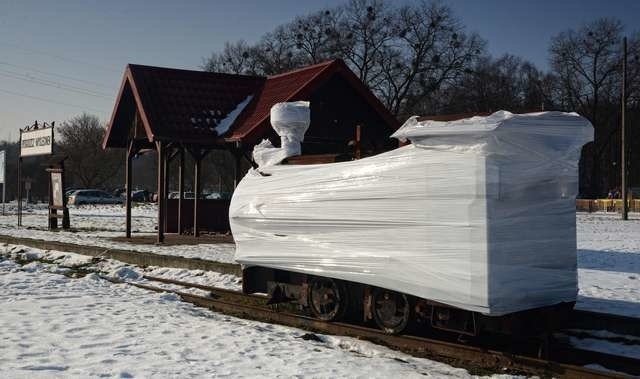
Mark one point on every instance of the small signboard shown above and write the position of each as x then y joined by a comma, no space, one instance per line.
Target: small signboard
36,142
2,166
57,196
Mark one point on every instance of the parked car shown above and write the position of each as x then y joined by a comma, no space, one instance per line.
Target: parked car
189,195
219,195
68,192
140,196
119,192
92,196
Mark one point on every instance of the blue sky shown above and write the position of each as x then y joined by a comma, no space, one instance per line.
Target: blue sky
86,44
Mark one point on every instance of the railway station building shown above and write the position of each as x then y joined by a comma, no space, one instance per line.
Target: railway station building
172,112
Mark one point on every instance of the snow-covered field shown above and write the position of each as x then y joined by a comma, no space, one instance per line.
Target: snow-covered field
97,224
609,263
61,327
608,248
54,326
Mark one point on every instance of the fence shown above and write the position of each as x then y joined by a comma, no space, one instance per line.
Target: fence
606,205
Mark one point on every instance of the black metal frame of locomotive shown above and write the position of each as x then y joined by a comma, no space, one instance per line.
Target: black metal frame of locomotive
332,300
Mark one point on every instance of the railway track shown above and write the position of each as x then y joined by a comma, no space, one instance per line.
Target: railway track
604,321
565,361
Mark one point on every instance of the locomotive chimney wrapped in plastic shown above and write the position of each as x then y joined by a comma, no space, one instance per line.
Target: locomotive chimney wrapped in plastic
290,120
477,214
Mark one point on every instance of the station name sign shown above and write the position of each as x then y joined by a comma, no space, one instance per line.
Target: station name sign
36,142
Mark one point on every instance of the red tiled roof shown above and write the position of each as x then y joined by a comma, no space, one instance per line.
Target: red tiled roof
168,100
298,85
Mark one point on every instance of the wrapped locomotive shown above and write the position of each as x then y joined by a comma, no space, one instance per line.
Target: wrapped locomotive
467,226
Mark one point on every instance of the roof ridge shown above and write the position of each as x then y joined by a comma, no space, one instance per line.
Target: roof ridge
305,68
212,73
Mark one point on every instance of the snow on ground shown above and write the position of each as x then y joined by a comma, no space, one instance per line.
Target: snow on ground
54,326
61,262
96,224
608,248
609,263
606,342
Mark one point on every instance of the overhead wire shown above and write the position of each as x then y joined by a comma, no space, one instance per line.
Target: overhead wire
52,101
59,57
89,82
49,83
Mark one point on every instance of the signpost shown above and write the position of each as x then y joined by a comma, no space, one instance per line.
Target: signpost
36,140
57,200
3,167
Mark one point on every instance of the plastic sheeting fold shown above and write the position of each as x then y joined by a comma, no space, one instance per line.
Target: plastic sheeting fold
290,121
478,213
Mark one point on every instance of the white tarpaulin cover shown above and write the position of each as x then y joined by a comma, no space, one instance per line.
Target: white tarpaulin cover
478,213
290,120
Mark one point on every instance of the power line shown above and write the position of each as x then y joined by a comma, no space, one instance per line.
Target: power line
89,82
52,101
59,57
57,85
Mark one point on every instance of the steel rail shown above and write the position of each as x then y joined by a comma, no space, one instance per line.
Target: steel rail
467,356
624,325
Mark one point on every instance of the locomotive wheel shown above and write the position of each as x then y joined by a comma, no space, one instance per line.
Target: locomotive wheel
391,310
327,299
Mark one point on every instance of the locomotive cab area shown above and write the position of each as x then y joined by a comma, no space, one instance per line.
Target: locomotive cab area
468,229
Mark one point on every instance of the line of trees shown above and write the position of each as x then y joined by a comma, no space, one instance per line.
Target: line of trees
420,59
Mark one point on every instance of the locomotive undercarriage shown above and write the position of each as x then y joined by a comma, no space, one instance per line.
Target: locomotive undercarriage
334,300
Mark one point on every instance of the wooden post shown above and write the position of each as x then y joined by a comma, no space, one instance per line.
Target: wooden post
20,186
161,203
167,178
358,153
53,220
196,192
623,158
237,154
66,222
180,188
127,187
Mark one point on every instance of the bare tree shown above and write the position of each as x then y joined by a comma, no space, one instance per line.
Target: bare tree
430,50
235,58
276,52
587,64
317,35
365,33
508,82
89,165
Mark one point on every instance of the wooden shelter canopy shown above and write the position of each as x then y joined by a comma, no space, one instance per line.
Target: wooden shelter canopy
184,106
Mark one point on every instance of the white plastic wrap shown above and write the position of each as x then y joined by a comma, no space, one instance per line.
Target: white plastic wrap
478,214
290,120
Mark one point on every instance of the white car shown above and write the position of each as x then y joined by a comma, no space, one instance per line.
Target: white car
91,196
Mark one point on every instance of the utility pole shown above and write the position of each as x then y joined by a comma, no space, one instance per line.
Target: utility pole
623,158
